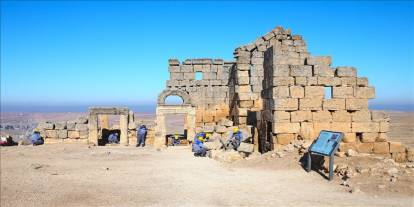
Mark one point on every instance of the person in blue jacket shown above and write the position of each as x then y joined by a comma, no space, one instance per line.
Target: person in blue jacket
236,138
36,139
113,138
198,147
141,135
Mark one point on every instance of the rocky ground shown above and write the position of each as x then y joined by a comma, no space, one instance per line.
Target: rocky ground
76,175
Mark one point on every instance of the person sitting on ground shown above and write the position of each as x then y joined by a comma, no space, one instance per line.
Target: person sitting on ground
113,138
176,140
3,141
36,139
141,135
236,138
198,147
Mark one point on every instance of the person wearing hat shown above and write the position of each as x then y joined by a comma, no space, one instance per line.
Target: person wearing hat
198,147
236,138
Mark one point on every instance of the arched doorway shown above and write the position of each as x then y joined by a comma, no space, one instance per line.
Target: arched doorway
165,109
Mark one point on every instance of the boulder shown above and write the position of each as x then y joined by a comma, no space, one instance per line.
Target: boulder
214,145
225,156
245,147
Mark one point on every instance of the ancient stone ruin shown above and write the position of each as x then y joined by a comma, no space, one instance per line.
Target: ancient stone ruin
274,90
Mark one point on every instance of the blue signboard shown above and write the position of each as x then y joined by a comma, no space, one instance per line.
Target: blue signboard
326,142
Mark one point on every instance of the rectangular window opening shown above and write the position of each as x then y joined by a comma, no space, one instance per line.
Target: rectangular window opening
199,75
328,92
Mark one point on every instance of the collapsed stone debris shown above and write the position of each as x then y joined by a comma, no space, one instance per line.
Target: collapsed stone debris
274,90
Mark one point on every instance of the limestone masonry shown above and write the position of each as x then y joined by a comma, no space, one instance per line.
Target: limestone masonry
274,89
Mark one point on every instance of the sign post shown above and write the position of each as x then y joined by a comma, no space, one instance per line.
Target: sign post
325,145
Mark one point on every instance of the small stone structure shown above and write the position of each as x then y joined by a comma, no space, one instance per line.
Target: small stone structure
75,131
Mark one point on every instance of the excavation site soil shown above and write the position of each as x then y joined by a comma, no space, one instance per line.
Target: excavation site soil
78,175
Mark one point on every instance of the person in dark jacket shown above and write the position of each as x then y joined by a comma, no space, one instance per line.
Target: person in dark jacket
141,135
198,147
36,139
113,138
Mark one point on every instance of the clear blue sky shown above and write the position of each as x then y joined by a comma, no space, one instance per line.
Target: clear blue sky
82,53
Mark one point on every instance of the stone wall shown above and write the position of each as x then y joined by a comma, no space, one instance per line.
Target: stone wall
210,95
75,131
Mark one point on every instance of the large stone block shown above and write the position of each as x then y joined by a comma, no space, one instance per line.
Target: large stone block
314,91
362,81
176,76
300,116
365,127
310,104
297,91
245,147
382,137
319,126
283,81
344,147
281,71
73,134
321,116
396,147
345,71
329,81
361,116
369,137
174,69
364,92
51,133
281,116
334,104
318,60
307,131
378,116
365,147
280,92
356,104
81,127
381,148
60,125
286,127
384,126
301,70
341,116
300,81
45,125
349,137
344,127
286,104
323,71
285,139
348,81
63,134
342,92
70,125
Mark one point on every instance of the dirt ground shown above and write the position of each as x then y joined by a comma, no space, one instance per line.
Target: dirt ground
76,175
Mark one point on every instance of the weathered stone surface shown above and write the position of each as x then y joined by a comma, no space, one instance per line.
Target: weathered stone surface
365,147
300,116
378,116
314,91
245,147
215,145
342,92
329,81
348,81
51,133
382,137
341,116
82,120
70,125
361,116
381,148
45,125
356,104
396,147
341,127
297,91
285,139
307,130
286,104
73,134
310,104
81,127
349,137
286,127
280,92
63,134
346,71
281,116
322,116
225,156
333,104
362,81
365,127
281,71
344,147
60,125
283,81
323,71
369,137
364,92
384,126
319,60
301,70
